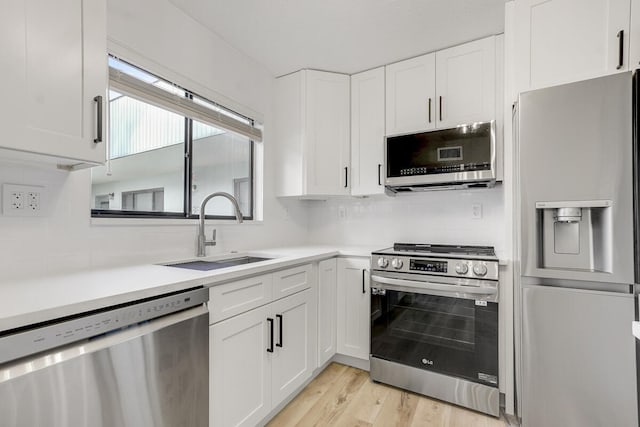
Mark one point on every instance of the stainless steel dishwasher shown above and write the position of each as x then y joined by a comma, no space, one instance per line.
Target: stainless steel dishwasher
139,364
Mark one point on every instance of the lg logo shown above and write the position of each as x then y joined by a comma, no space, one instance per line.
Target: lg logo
427,362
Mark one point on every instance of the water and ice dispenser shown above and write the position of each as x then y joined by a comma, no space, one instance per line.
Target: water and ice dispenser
575,235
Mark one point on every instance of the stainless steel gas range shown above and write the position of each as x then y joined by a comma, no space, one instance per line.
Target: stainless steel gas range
434,322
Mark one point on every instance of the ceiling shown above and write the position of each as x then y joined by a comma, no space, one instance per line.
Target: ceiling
345,36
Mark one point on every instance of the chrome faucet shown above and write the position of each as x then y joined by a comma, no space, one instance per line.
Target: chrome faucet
202,240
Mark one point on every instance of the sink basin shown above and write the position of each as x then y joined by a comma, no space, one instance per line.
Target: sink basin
214,265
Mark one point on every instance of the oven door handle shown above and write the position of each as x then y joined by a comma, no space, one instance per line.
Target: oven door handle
428,287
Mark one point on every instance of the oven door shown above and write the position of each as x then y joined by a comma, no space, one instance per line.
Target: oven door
441,327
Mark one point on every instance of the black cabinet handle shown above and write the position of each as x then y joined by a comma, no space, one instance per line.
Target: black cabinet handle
279,316
364,291
379,177
346,177
440,108
270,349
620,49
98,101
429,110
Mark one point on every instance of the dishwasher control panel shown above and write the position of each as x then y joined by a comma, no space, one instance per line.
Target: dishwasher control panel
41,337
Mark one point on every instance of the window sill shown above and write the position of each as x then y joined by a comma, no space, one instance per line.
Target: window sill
165,221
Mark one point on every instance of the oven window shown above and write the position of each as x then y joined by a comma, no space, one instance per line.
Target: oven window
454,336
433,320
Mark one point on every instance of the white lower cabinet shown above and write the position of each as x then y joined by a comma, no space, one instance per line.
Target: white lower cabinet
292,361
353,307
260,357
239,369
327,299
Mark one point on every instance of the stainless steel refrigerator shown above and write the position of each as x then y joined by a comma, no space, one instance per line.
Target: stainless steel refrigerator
577,240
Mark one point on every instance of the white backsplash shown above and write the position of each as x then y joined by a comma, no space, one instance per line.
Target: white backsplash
64,239
443,217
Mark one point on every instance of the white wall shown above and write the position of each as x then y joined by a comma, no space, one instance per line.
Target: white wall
181,50
431,217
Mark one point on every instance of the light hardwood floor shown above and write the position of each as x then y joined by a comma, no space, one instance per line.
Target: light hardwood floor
344,396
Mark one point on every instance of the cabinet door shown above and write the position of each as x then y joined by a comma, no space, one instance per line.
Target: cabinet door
634,39
410,95
466,83
353,307
53,63
327,299
367,132
240,372
327,133
293,361
560,41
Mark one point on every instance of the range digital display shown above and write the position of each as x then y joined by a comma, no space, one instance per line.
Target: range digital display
428,265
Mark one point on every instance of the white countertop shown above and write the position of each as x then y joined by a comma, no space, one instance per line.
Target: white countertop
39,300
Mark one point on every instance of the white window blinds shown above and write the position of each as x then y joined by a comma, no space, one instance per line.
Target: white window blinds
190,106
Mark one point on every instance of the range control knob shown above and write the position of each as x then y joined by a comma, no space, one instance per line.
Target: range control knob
383,262
462,268
480,270
396,263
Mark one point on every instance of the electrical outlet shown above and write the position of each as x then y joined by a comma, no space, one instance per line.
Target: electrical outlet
342,213
33,201
17,200
476,211
22,200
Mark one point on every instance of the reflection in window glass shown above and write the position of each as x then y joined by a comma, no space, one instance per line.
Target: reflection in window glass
146,146
221,162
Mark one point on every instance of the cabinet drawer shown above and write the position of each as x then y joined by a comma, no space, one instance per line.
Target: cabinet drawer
237,297
290,281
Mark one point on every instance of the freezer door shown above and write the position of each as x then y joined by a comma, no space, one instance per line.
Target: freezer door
150,375
578,358
575,150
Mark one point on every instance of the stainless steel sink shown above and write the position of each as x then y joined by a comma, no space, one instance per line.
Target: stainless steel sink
214,265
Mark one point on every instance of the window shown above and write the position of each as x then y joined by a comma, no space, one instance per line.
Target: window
168,149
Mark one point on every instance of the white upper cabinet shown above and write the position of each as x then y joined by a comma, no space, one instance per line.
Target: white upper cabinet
634,44
560,41
312,131
53,67
410,95
367,132
466,83
442,89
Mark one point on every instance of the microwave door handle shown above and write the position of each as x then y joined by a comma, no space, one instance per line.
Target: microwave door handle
424,287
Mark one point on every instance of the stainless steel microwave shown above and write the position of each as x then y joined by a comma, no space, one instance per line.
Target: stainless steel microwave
460,157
